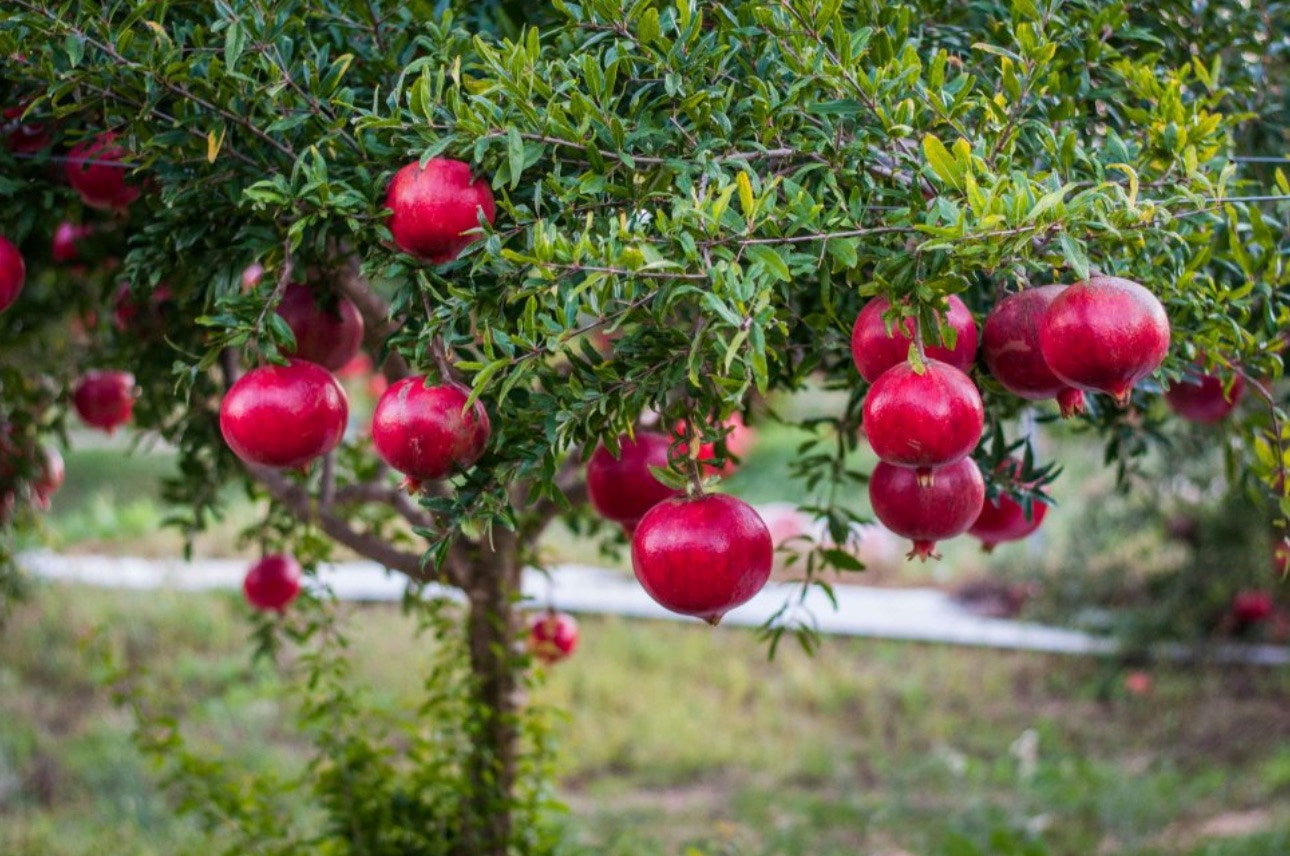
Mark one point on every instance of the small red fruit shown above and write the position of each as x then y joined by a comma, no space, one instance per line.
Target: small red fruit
431,208
129,316
739,439
623,489
1004,519
1252,606
105,399
702,556
875,351
1010,343
425,432
1203,399
251,275
1281,557
553,636
1138,683
13,273
26,138
95,171
284,416
329,335
1104,335
927,513
923,420
67,236
50,477
272,583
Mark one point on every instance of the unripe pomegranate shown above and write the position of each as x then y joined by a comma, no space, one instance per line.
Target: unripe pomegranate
50,477
272,583
1105,335
923,420
927,513
702,556
1252,606
1004,519
875,351
553,636
424,432
431,208
284,416
64,246
105,399
623,489
95,171
1010,343
329,336
1203,399
13,273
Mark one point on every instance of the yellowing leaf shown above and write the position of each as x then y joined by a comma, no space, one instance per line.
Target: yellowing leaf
745,195
940,160
213,145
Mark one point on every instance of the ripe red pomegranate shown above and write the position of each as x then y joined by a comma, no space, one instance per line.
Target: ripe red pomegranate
284,416
105,399
1004,519
50,477
422,431
1010,342
67,236
329,335
553,636
1104,335
739,439
25,138
1252,606
95,171
927,513
272,583
431,208
623,489
702,556
875,351
923,420
13,273
1202,399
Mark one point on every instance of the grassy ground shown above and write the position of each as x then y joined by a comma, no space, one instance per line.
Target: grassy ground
681,737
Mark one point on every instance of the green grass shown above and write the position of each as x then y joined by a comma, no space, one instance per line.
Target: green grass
678,736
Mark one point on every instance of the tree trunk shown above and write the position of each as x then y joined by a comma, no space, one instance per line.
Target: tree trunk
491,628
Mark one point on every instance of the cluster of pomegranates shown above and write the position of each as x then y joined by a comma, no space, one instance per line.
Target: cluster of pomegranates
923,417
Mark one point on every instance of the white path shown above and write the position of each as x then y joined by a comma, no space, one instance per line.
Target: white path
918,614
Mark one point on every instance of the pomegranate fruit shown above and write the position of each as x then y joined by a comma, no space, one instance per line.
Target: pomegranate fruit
926,513
739,439
875,350
702,556
553,636
1010,343
272,583
105,399
65,245
13,273
623,489
25,138
424,432
923,420
329,335
1281,557
432,207
1104,335
1004,519
284,416
129,315
94,170
1202,399
1252,606
50,477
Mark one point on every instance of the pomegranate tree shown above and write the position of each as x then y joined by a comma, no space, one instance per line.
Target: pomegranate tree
272,583
1104,335
702,556
284,416
1010,344
105,399
553,636
435,209
927,513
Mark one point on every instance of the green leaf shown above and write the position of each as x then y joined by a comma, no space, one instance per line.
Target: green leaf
941,161
647,31
515,154
1075,256
234,44
771,260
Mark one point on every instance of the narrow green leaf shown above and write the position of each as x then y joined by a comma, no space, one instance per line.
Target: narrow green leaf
1075,256
941,161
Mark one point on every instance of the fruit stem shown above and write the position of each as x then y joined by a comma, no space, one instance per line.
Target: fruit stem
439,353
